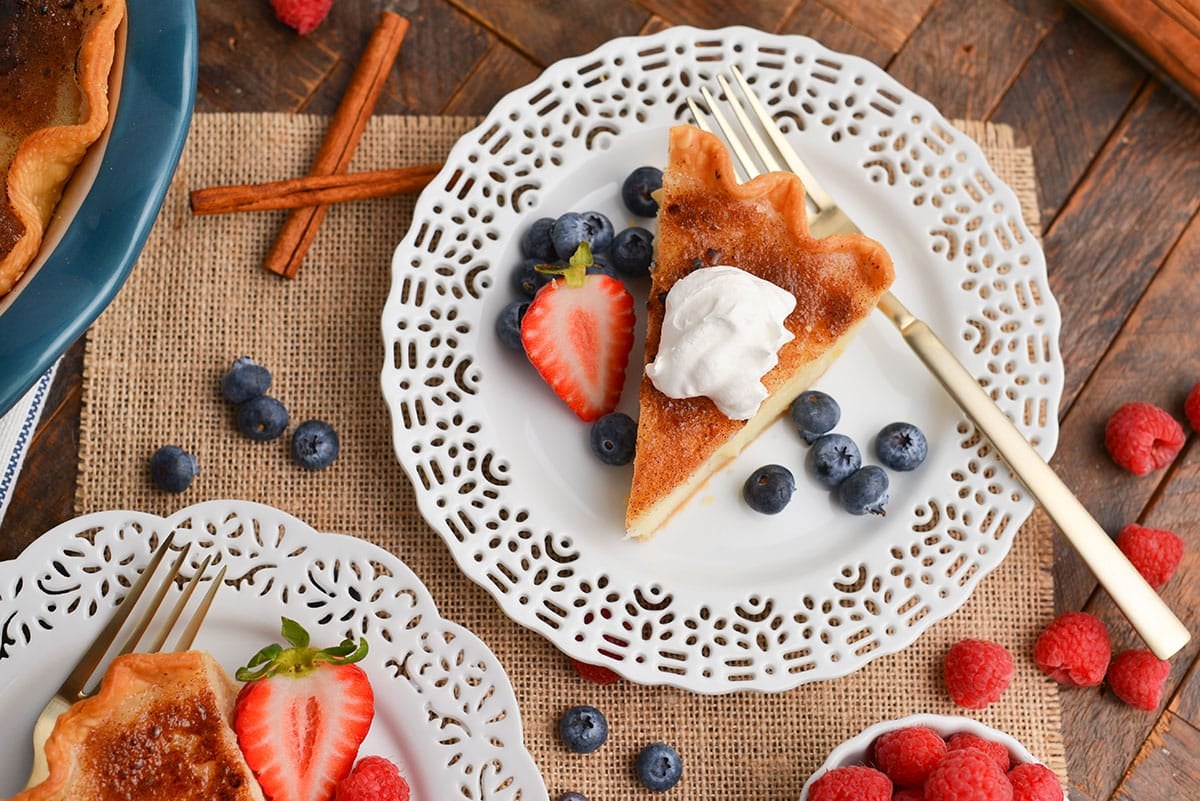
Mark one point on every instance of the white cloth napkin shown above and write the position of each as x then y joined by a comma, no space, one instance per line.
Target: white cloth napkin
16,430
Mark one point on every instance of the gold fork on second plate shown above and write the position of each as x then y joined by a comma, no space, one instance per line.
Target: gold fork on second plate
1162,631
76,687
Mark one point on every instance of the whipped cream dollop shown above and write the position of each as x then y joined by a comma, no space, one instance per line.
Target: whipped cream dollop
721,334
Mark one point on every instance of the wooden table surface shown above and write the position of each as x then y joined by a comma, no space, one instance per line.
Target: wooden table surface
1118,164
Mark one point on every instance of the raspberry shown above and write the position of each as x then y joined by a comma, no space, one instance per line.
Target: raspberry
373,779
853,783
1074,649
1191,407
1137,678
1155,552
907,755
1034,782
908,794
977,672
967,775
1142,438
997,751
594,673
303,15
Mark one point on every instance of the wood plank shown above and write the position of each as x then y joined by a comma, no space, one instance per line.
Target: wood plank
763,14
440,52
964,54
811,18
1132,369
1044,10
250,62
1065,103
1166,767
1186,703
1166,33
501,69
1110,238
891,23
564,28
44,494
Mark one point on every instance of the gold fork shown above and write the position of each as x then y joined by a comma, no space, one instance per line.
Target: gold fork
76,687
1162,631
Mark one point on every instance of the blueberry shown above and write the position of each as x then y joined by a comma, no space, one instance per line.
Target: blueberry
508,323
832,458
613,437
573,228
637,191
602,265
815,413
632,251
602,230
173,468
262,418
769,488
245,380
314,445
866,490
901,446
536,243
583,729
659,767
571,796
527,280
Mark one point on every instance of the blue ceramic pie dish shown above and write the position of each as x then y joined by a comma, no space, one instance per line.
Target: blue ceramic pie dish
58,301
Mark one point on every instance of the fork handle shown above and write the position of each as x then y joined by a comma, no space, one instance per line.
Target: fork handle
1161,630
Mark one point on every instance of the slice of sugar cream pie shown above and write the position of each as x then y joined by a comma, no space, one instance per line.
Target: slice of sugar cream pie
55,60
158,728
746,310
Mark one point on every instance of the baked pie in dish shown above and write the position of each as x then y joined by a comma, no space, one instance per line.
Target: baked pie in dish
55,61
707,219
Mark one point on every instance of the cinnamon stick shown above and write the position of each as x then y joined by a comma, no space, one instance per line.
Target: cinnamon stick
341,140
313,190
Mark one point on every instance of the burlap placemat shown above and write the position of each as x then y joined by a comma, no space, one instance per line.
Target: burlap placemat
198,298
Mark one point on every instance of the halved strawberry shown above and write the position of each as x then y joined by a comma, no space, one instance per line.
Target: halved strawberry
302,715
577,333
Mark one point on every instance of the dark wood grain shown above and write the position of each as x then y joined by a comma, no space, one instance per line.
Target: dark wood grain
811,18
1107,244
1118,163
499,70
1154,772
964,55
763,14
1066,101
44,495
564,28
891,23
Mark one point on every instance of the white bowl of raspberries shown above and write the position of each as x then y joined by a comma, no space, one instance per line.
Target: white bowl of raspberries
932,758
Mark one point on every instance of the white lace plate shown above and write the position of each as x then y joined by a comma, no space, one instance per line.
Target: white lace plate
444,708
723,599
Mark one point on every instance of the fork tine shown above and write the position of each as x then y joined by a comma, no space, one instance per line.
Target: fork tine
189,634
74,684
816,193
760,147
749,166
165,631
155,604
